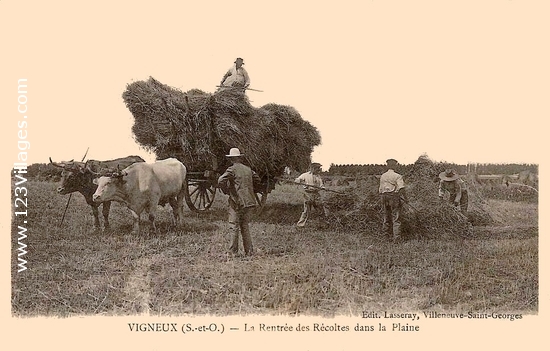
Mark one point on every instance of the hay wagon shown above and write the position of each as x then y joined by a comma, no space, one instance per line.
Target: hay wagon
199,128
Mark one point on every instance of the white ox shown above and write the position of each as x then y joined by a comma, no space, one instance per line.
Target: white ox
142,186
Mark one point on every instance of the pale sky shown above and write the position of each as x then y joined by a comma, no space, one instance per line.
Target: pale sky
466,81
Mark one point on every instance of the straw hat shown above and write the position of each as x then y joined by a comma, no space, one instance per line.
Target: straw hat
234,152
448,175
239,59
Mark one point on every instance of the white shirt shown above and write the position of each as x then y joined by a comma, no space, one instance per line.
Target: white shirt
236,75
310,179
390,182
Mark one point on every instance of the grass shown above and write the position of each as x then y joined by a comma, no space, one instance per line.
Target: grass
296,271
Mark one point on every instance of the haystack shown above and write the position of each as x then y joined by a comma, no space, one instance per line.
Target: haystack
199,128
424,217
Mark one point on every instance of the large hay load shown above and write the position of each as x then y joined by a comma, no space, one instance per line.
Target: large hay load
424,217
199,128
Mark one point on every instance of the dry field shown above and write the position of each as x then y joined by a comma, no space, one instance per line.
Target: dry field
296,271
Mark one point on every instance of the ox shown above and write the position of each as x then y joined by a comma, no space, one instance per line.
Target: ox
78,176
143,186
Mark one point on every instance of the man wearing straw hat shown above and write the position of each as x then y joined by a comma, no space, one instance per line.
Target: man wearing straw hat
238,181
312,198
236,76
392,192
451,183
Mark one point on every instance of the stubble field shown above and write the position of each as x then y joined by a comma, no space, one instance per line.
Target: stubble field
312,271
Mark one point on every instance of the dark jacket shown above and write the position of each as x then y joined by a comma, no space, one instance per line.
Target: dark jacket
238,180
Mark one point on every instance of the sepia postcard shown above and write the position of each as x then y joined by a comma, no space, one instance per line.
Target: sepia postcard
294,174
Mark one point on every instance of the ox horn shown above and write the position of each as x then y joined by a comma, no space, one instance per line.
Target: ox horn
118,173
89,168
57,164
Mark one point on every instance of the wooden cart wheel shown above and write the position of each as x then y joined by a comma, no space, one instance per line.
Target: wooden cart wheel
200,194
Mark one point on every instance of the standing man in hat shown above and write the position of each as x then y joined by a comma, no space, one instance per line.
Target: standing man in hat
392,192
238,182
451,183
236,76
312,198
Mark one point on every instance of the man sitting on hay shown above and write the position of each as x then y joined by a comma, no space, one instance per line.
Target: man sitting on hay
236,76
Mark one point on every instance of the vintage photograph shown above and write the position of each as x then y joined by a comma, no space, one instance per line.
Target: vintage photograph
356,171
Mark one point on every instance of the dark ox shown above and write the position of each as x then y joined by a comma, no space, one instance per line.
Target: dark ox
143,186
79,176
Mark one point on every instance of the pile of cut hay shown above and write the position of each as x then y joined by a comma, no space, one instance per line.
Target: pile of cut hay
199,128
424,217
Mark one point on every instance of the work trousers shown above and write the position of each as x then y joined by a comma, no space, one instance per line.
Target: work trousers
463,201
238,223
391,203
312,200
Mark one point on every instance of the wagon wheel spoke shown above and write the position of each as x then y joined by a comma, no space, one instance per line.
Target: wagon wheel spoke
200,194
212,192
201,199
207,197
194,191
197,201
